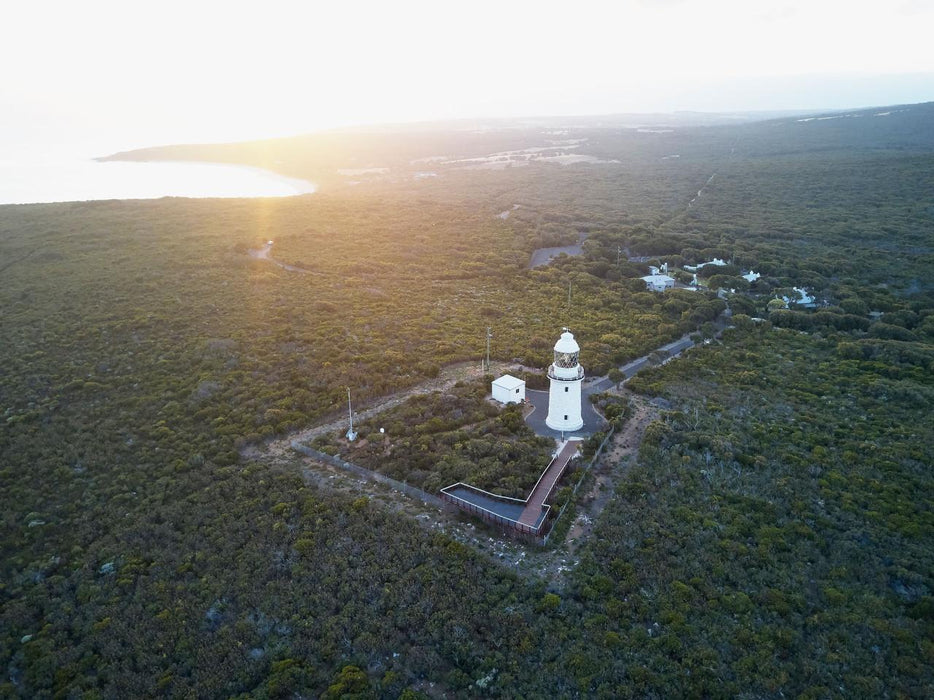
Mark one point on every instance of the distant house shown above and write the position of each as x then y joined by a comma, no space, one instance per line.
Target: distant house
694,268
804,299
658,283
509,389
751,276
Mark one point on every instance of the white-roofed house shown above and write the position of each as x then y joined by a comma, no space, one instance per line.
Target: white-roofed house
804,299
658,283
509,389
716,261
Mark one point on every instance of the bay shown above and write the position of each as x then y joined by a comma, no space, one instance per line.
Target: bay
57,179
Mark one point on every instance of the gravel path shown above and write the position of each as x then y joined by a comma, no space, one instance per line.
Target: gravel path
447,378
263,254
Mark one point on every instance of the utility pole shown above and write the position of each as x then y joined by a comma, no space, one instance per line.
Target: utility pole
351,435
489,334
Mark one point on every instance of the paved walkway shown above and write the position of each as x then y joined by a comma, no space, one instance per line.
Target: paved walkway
508,509
546,484
672,349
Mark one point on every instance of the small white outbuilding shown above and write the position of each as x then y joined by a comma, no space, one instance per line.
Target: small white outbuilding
509,389
658,283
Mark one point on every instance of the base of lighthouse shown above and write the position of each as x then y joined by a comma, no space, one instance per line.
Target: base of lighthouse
564,405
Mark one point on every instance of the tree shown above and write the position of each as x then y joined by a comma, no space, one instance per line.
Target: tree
351,683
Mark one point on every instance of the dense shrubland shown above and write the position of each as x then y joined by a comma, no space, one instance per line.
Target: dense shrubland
785,503
434,440
773,538
143,348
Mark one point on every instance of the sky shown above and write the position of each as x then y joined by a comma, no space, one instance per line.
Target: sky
135,74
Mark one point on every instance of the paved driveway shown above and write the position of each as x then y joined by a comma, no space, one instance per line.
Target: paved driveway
592,420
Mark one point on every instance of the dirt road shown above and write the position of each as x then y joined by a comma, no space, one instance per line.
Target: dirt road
623,448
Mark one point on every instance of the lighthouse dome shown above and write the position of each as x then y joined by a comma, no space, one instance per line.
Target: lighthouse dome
567,344
567,352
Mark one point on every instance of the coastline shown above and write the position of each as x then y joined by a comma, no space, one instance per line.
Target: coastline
56,180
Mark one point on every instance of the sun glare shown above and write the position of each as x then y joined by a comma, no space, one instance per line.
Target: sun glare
213,72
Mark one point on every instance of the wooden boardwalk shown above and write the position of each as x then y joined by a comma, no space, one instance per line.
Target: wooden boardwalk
546,484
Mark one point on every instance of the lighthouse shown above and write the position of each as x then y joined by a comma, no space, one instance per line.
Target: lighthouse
564,394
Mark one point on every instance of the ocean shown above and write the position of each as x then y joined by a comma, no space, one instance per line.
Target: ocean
31,175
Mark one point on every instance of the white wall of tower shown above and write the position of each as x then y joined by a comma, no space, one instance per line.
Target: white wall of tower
564,405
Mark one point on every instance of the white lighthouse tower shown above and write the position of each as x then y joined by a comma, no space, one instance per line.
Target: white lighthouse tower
564,395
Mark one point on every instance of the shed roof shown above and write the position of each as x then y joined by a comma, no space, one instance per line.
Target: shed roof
658,279
507,381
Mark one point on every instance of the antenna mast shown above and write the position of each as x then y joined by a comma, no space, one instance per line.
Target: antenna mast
351,435
489,334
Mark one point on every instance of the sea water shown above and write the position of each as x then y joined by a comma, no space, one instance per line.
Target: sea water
30,176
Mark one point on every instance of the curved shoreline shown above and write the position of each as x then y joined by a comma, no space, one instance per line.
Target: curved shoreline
298,185
83,179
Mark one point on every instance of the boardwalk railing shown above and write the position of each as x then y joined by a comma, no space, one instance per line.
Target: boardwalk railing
555,484
407,489
487,514
448,494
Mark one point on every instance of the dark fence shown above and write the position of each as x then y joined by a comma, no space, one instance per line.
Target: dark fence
446,500
369,474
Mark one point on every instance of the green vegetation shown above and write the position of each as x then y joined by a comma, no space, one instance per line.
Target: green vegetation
435,440
143,349
772,540
776,532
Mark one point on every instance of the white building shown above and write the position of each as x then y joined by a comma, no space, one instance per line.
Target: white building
751,276
804,299
509,389
564,395
716,261
658,283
